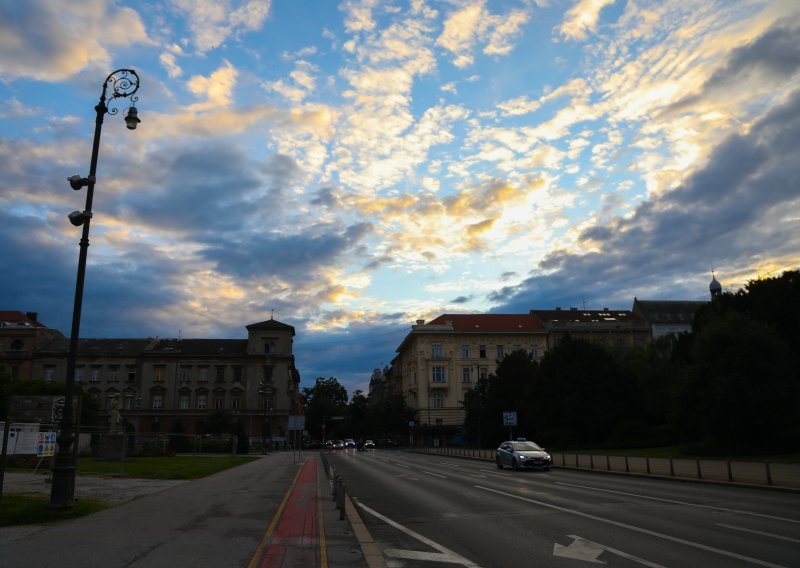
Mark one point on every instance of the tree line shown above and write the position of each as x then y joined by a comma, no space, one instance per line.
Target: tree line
732,385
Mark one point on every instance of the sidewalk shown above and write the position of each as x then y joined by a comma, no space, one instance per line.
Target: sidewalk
276,511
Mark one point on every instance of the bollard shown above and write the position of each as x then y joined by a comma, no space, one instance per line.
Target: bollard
608,463
730,471
671,468
341,501
627,467
591,461
699,470
647,462
769,474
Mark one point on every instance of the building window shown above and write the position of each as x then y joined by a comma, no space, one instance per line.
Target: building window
131,374
270,346
113,374
50,373
501,352
237,374
482,351
78,374
269,371
184,401
436,351
437,374
202,401
438,400
203,374
94,375
466,374
186,373
439,422
535,351
483,372
465,351
236,403
220,374
158,374
219,403
158,402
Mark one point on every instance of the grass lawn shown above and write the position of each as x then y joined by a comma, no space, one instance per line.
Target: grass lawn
175,467
33,510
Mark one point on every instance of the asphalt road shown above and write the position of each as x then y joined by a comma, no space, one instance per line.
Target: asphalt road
425,510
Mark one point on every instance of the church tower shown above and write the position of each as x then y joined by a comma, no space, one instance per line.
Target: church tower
715,287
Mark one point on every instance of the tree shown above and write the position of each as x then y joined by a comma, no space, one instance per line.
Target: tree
510,388
582,394
389,418
327,398
741,393
357,412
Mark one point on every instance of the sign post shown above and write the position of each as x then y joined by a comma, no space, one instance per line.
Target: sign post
510,420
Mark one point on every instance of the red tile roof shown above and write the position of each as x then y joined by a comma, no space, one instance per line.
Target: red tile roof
490,322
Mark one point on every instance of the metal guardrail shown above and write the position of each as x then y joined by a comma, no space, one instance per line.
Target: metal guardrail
772,474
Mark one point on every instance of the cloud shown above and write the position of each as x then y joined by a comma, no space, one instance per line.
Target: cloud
474,24
737,209
582,18
215,89
52,41
763,63
212,22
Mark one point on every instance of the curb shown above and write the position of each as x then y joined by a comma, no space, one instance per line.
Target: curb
369,548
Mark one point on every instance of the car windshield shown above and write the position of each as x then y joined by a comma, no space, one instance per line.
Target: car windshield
526,447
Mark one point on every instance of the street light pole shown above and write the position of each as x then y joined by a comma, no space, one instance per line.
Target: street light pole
124,83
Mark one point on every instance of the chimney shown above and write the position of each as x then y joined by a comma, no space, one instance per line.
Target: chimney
558,308
420,322
33,316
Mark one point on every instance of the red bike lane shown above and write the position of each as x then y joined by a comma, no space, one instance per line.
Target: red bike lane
294,537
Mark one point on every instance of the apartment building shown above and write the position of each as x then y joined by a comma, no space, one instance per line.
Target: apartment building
440,360
160,381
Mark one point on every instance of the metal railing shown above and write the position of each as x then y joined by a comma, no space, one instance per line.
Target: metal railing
761,473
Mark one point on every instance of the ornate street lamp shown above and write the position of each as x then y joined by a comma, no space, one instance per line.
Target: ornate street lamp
124,83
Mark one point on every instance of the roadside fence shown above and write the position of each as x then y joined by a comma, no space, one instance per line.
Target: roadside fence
338,486
784,475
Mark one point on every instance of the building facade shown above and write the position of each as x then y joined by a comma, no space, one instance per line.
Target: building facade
439,361
159,382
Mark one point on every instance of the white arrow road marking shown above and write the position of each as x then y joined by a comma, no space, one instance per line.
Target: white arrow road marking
444,554
583,549
579,549
656,534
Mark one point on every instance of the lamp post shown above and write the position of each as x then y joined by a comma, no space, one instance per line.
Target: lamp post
124,83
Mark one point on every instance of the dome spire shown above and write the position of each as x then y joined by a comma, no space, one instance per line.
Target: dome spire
715,287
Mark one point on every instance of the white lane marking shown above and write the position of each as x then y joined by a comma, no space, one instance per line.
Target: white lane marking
636,529
583,549
401,465
434,474
761,533
452,557
682,503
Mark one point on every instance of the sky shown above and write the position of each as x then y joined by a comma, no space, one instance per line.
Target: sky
348,167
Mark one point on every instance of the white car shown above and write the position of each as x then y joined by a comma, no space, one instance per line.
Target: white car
522,454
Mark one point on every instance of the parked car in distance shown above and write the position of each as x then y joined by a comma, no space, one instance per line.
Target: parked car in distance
338,445
369,445
522,454
349,443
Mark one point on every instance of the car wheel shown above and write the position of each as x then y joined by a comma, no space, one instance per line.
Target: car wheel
499,463
514,463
